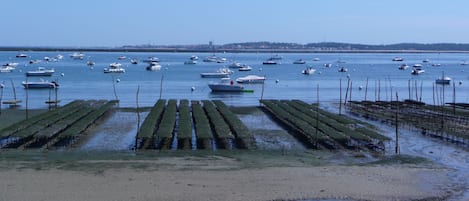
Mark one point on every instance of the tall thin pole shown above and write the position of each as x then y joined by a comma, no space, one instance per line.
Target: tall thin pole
114,87
397,124
138,117
433,92
379,90
351,89
27,99
421,87
408,87
346,91
366,88
317,115
262,92
454,98
1,96
161,84
340,96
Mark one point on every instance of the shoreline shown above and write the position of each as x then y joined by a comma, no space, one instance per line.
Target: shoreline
186,50
221,178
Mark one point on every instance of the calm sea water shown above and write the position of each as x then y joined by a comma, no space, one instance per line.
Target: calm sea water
284,81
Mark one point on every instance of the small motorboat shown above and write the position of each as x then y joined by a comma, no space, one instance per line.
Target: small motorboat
443,80
251,79
299,61
121,57
40,84
227,85
90,63
398,59
114,68
403,67
343,69
194,58
41,71
10,64
190,62
308,71
464,62
235,65
21,55
77,55
134,61
245,68
417,71
6,69
220,73
154,66
151,59
269,62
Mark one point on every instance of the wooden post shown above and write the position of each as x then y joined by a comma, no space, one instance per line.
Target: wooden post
138,118
1,96
351,89
317,115
161,84
421,94
397,123
114,87
262,92
27,99
454,99
340,96
433,92
346,91
366,88
408,87
379,90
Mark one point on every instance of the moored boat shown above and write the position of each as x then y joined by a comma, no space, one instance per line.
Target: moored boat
443,80
220,73
77,55
227,85
41,71
153,66
299,61
269,62
39,84
403,67
251,79
398,59
308,71
343,69
417,71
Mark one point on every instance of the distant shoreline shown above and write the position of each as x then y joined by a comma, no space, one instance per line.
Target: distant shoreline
183,50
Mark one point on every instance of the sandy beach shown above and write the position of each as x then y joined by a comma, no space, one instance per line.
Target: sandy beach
222,179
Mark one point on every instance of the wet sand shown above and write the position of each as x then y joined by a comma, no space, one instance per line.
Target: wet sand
179,181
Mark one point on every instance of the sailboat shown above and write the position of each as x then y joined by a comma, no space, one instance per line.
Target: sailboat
12,102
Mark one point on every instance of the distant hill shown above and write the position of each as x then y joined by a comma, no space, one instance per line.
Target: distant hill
264,46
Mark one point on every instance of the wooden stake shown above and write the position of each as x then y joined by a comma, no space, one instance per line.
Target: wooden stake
397,123
366,88
408,87
346,91
161,84
340,96
379,90
138,118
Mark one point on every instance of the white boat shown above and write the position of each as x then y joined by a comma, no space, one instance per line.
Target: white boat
41,71
227,85
59,57
221,60
436,64
39,84
464,62
11,64
190,62
343,69
444,80
151,59
212,58
316,59
154,66
115,65
34,61
121,57
251,79
275,57
21,55
299,61
308,71
398,59
403,67
90,63
328,65
245,68
269,62
235,65
194,58
417,71
134,61
6,69
417,65
220,73
114,68
425,60
77,55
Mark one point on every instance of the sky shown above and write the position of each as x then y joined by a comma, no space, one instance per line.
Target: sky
113,23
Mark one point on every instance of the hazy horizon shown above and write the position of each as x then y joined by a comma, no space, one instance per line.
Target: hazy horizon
88,23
